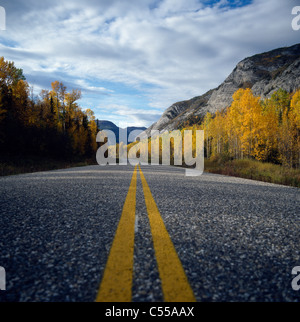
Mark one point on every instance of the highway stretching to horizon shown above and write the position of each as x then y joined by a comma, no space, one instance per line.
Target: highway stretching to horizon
146,234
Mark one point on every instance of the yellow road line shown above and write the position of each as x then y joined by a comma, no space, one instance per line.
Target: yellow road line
116,285
175,285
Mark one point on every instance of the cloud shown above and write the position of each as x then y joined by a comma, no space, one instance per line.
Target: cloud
165,51
86,88
125,116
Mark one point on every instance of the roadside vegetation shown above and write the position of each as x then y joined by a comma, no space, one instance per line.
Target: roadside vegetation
255,170
41,132
263,130
13,165
253,138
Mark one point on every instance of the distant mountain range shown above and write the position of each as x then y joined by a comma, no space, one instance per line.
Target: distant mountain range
263,73
107,125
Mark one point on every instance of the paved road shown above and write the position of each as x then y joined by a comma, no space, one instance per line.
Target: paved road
235,239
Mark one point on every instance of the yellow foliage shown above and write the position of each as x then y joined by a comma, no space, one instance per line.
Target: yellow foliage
250,128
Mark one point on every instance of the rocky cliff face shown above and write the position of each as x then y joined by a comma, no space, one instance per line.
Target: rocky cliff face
263,73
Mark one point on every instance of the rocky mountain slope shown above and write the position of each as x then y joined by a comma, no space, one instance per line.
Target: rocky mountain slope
263,73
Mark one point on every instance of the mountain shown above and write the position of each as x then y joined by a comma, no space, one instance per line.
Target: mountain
263,73
107,125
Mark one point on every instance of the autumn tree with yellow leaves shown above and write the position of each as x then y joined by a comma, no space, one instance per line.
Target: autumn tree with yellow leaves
52,125
266,130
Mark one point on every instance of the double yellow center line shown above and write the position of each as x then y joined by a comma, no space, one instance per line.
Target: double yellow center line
116,284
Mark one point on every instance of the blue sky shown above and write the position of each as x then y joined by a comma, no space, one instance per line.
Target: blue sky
133,59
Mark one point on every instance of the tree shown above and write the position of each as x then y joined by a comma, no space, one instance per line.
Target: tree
9,74
266,130
53,125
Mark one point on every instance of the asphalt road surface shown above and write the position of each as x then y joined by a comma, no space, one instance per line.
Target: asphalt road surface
78,234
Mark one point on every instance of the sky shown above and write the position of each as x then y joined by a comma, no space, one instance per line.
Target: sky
132,59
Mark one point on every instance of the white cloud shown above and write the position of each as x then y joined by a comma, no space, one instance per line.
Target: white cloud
125,116
85,87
